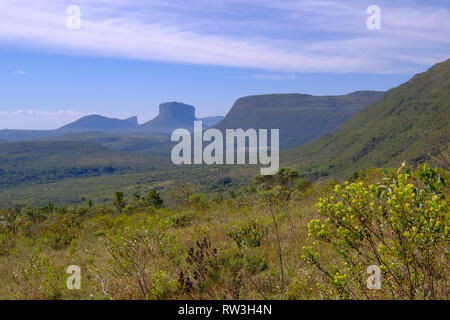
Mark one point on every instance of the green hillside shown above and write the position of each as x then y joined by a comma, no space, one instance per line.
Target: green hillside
407,123
300,117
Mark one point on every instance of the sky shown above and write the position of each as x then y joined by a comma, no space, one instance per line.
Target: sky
124,57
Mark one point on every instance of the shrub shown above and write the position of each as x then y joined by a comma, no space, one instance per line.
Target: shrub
162,285
34,214
249,235
198,202
9,222
181,219
37,278
179,196
137,252
60,230
285,177
7,244
201,261
400,225
154,199
255,263
119,200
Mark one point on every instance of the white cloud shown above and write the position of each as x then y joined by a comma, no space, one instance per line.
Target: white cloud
272,76
290,36
19,72
34,112
33,119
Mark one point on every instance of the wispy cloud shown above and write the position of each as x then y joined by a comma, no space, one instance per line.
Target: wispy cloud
272,76
19,72
34,112
37,119
289,36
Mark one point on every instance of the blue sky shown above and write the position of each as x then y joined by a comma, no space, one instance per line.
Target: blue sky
130,56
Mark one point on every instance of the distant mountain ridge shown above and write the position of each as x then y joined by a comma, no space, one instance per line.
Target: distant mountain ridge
97,122
90,123
300,117
172,115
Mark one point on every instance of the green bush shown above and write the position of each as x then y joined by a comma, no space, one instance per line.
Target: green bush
198,202
249,235
154,199
181,219
400,225
60,230
138,252
119,200
37,278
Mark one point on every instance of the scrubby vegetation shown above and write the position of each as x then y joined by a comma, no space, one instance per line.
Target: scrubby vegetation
70,173
280,237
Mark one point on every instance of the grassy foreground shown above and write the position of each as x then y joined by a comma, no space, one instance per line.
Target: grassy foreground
278,238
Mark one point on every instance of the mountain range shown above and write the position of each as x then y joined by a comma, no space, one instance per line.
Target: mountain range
172,115
300,117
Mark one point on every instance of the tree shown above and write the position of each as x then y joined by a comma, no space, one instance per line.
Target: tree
285,177
274,192
119,201
154,199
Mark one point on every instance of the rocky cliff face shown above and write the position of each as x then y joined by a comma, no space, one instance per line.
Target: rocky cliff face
300,117
172,115
176,112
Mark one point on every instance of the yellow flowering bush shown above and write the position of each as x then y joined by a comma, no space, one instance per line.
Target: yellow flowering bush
400,225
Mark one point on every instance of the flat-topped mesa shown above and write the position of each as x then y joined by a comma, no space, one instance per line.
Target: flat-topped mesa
177,112
300,117
172,115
